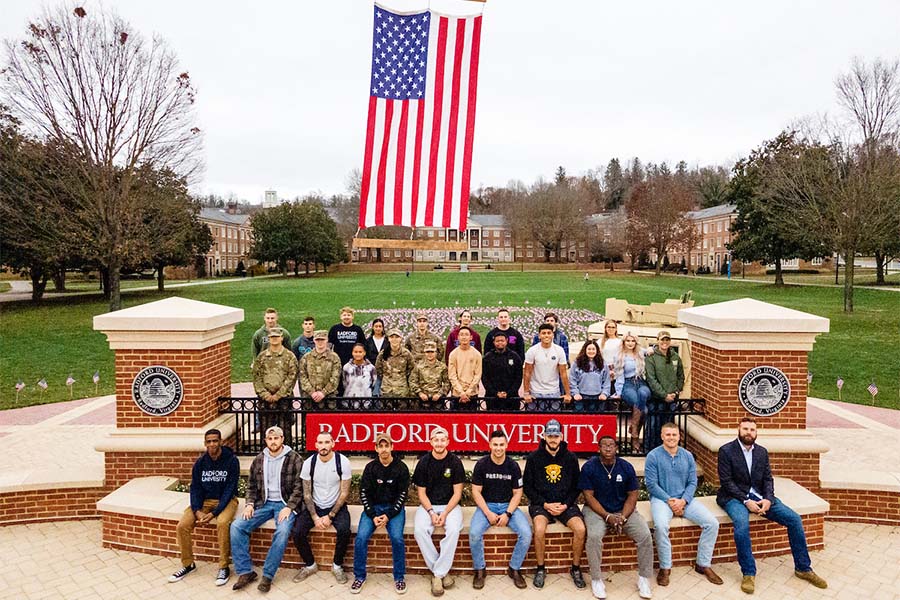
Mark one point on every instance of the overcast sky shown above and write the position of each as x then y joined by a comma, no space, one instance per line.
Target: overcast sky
283,85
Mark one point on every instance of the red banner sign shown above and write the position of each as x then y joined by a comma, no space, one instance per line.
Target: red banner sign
469,432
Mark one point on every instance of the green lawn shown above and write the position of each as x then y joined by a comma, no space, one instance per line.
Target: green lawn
55,339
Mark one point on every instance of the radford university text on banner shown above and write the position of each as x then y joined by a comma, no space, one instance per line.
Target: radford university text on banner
469,432
421,121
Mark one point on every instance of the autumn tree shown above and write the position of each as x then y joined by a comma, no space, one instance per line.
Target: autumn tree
113,102
550,214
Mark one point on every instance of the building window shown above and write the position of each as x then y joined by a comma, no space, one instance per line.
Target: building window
397,254
581,254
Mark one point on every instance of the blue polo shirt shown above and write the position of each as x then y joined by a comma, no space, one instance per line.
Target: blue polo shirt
610,485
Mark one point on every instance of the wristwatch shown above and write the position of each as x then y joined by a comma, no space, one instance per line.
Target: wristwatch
508,514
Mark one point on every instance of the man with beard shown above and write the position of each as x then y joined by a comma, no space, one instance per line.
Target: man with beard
746,486
551,484
274,491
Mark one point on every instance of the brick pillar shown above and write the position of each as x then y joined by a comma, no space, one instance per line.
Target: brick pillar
173,360
729,340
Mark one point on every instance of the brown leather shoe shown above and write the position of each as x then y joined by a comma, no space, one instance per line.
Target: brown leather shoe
265,584
662,578
517,578
709,573
811,577
244,580
478,582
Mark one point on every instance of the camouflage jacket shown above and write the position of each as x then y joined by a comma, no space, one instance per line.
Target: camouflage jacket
394,373
275,373
415,343
430,378
319,372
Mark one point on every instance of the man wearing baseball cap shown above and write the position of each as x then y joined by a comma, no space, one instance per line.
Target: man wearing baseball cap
382,492
274,374
320,370
665,377
416,341
551,484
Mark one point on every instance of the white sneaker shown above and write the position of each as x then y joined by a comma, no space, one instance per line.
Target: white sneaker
644,588
599,589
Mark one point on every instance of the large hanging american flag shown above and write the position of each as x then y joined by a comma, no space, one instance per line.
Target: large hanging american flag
418,159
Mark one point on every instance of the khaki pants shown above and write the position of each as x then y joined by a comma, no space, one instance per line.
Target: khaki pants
185,530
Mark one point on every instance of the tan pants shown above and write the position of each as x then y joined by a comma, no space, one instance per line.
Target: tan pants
185,530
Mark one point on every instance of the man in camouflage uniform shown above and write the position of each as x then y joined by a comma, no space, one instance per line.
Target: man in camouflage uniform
394,364
416,341
320,370
429,379
274,374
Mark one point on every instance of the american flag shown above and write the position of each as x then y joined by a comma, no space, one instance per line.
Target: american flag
840,383
96,376
808,377
20,386
70,380
42,383
873,389
421,120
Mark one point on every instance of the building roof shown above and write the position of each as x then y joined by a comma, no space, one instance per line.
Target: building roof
487,221
219,215
721,210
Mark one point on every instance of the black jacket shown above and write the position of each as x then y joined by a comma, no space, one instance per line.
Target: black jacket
734,480
501,373
516,340
550,478
384,485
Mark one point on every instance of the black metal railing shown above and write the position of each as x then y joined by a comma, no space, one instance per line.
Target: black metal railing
251,422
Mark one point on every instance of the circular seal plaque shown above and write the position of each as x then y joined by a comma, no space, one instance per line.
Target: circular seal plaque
157,390
764,391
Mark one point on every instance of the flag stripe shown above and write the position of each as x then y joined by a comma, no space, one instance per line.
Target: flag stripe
470,122
367,162
436,119
452,123
401,160
382,163
417,161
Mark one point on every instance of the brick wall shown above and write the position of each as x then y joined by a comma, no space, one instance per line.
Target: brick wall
802,467
205,375
716,374
36,506
122,467
157,536
865,506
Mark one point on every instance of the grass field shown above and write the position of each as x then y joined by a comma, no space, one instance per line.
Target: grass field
55,339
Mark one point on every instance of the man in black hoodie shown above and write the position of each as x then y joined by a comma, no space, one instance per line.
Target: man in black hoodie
501,374
551,484
214,482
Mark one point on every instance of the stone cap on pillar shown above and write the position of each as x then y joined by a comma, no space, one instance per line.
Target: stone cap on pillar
748,324
171,324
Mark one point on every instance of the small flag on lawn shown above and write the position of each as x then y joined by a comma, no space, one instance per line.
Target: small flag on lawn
840,383
96,377
42,383
873,389
808,377
69,382
20,386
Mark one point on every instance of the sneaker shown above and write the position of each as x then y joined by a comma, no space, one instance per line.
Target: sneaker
339,575
223,576
811,577
183,572
577,577
539,576
598,588
644,588
265,584
305,572
357,585
437,586
400,586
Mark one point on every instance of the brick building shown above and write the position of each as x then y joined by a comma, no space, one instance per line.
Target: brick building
232,238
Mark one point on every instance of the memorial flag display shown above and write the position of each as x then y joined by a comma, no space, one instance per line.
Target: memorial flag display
421,119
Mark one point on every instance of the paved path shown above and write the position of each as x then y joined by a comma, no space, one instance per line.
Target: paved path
66,560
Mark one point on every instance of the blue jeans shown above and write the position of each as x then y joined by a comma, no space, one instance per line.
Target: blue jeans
636,393
590,403
395,532
779,513
240,538
696,512
518,523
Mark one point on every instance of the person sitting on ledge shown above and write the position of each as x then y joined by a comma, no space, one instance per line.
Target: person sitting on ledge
274,491
214,480
746,486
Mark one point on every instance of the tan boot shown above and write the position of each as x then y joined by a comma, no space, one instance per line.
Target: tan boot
748,584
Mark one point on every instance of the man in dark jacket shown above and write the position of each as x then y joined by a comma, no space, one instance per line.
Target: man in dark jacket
274,491
746,486
515,339
214,480
501,374
551,484
665,377
382,491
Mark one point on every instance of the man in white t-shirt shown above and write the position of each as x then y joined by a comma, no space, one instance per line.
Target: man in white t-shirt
545,369
326,486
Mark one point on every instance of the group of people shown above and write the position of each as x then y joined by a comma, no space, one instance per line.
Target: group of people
343,362
301,495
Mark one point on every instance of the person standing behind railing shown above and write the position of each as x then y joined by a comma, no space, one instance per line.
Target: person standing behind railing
428,379
274,374
589,379
320,370
374,344
630,373
665,377
394,365
358,375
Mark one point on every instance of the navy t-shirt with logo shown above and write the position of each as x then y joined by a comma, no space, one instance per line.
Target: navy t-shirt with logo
610,485
439,476
497,481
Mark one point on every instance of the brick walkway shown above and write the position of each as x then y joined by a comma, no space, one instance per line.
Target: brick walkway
860,561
